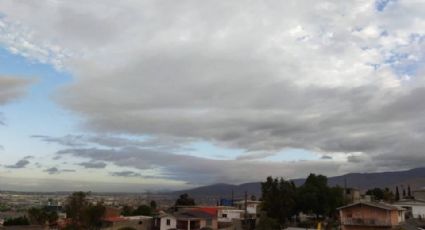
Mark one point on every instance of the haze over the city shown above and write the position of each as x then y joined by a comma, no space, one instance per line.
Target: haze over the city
133,95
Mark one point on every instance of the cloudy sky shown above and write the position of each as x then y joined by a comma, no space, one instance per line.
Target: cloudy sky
134,95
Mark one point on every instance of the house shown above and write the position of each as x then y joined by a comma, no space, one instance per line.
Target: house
226,214
414,208
164,221
196,219
352,195
251,207
370,215
229,217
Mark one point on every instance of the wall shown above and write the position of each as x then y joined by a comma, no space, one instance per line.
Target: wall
418,211
368,212
164,226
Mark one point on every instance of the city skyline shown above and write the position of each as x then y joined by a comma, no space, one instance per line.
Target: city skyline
164,95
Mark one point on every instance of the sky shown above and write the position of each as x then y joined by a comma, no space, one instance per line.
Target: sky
135,95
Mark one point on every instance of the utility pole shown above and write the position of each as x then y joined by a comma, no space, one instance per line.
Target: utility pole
246,225
232,201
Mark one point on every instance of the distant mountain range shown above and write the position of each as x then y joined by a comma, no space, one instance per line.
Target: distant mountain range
363,181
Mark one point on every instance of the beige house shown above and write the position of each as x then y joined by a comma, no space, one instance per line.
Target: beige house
369,215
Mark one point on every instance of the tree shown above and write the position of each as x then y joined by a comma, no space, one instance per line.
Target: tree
142,210
388,195
153,205
92,216
42,216
409,193
83,214
397,194
127,210
376,193
75,206
185,200
336,199
23,220
267,223
404,193
314,195
278,199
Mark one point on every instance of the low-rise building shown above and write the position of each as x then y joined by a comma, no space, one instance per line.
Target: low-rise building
164,221
196,219
251,206
414,208
370,215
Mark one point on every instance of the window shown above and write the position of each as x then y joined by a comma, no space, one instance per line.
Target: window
224,215
168,222
140,222
209,222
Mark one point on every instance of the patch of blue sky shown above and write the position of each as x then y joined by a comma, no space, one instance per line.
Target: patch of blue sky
36,112
209,150
293,154
380,5
402,65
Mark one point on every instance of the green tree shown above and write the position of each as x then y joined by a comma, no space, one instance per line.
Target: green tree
142,210
388,195
397,194
336,199
127,211
83,214
23,220
185,200
376,193
278,199
42,216
267,223
153,205
314,196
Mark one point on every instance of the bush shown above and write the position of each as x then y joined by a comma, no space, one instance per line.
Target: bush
23,220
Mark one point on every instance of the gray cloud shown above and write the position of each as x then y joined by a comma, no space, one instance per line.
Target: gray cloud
68,140
326,77
55,170
12,88
52,170
20,164
91,164
197,170
126,174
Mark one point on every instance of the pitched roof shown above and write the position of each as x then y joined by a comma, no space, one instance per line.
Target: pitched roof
193,214
373,204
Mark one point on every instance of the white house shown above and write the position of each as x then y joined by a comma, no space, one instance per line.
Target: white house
165,221
252,207
415,208
227,215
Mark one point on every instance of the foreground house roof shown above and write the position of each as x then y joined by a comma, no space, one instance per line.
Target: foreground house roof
379,205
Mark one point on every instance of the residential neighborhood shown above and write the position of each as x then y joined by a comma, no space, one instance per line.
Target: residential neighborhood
372,209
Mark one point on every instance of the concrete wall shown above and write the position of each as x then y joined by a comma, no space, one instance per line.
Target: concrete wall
164,226
231,214
418,211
